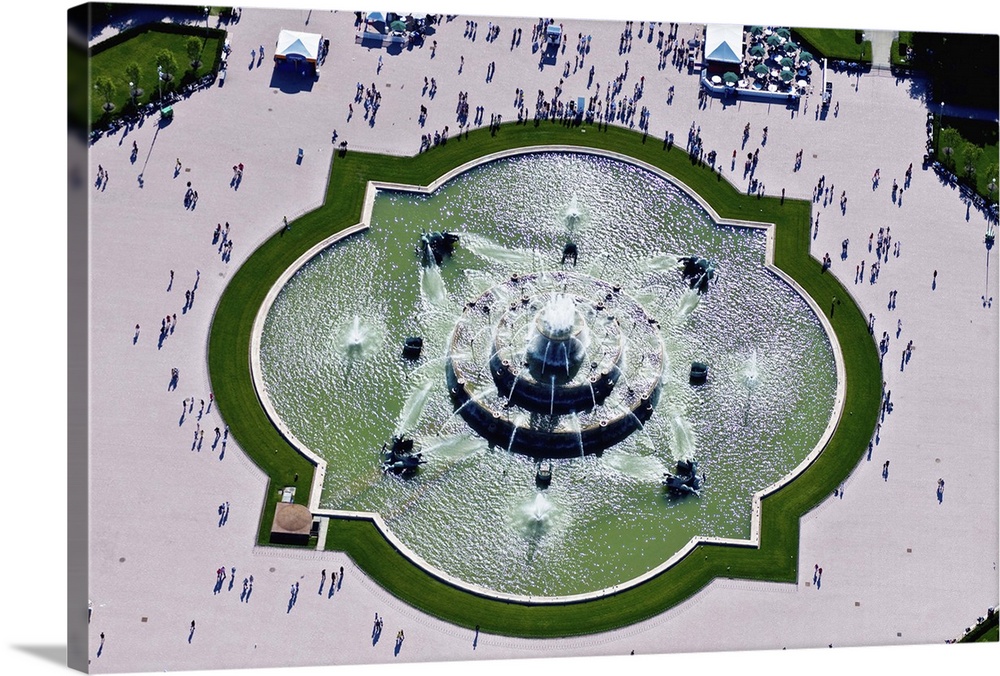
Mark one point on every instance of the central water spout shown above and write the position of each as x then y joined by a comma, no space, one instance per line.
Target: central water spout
559,338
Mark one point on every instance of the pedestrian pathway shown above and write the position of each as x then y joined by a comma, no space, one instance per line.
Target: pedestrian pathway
881,46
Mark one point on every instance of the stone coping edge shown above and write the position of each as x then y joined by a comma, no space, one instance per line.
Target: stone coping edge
316,488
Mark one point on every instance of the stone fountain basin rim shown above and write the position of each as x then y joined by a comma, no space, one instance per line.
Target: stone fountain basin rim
371,190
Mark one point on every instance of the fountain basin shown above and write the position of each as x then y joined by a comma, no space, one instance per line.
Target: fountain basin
464,521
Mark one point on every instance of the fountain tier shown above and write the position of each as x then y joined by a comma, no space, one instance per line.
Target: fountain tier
555,360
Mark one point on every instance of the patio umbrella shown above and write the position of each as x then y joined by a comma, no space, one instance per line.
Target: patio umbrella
786,62
375,17
730,78
398,26
783,32
761,69
756,30
805,57
774,40
787,75
757,50
790,46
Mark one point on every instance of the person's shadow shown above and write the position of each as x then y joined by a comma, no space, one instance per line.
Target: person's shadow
191,635
399,645
940,494
377,635
885,473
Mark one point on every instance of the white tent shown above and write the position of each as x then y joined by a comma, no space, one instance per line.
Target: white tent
298,46
724,43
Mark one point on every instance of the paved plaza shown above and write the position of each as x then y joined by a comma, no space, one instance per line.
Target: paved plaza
902,565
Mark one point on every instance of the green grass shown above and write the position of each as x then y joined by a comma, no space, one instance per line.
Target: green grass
142,49
984,632
897,55
777,557
981,133
991,635
834,43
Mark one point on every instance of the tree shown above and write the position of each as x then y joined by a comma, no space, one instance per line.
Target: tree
166,63
133,72
106,88
962,68
991,178
194,47
971,153
948,142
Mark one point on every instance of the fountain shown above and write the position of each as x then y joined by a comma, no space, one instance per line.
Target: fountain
698,272
572,212
400,458
559,355
540,508
683,481
750,373
435,246
357,340
532,372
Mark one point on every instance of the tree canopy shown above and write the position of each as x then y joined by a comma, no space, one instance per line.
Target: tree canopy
165,62
105,86
194,47
962,67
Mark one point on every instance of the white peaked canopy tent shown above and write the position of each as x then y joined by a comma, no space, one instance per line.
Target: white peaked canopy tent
724,43
298,46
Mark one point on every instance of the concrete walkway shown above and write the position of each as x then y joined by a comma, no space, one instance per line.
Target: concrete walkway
901,566
881,46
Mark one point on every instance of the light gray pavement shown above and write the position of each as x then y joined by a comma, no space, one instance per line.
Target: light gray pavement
899,568
881,46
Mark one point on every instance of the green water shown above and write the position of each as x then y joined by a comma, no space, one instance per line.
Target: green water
470,510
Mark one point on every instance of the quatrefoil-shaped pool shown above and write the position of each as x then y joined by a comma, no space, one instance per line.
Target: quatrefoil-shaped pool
332,369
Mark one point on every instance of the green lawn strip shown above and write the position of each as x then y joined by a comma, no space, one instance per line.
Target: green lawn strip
142,48
985,631
775,559
834,43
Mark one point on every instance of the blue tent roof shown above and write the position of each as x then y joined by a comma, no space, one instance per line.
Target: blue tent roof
724,53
